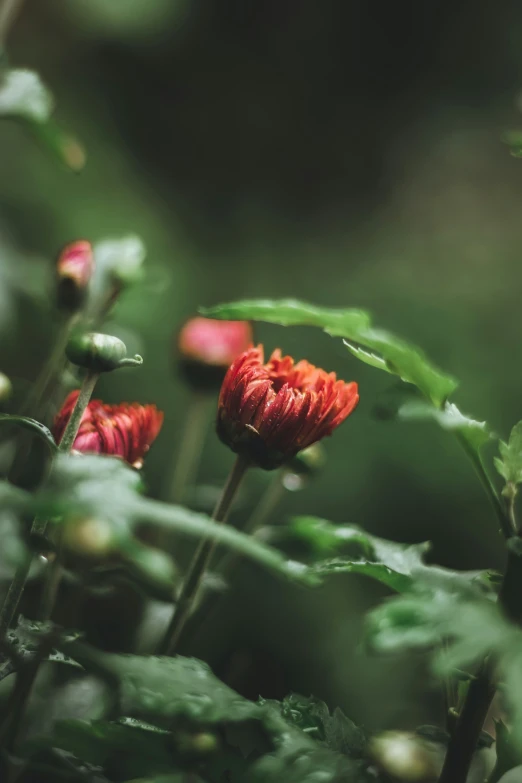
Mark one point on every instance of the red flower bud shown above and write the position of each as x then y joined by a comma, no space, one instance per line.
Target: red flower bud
269,412
126,430
74,271
208,348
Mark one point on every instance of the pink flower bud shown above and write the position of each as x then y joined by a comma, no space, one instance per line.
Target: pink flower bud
74,270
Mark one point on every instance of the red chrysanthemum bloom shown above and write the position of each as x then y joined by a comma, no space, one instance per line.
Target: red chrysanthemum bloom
208,347
269,412
126,430
74,269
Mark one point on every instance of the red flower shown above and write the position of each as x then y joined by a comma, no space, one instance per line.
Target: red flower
208,347
74,270
126,430
271,411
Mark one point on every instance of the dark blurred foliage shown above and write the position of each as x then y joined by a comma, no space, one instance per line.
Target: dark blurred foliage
345,152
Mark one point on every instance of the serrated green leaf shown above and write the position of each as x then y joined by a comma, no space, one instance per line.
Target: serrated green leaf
291,312
473,626
311,715
36,427
395,565
476,433
23,94
378,348
407,361
509,465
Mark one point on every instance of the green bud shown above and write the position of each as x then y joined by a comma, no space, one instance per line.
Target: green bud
309,461
405,757
89,537
99,352
5,387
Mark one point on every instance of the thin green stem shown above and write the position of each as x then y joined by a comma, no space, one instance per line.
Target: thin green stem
54,574
17,586
200,563
190,447
36,403
8,12
271,498
266,506
464,738
505,523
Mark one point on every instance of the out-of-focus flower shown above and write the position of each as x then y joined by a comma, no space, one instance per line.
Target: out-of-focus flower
126,430
207,348
269,412
74,270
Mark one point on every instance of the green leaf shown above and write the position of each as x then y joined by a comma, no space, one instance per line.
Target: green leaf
291,312
36,427
395,565
509,465
378,348
307,766
396,356
473,626
164,690
105,488
128,751
311,715
476,433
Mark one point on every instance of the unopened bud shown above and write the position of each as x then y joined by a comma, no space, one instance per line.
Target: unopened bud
99,352
206,348
404,757
5,387
74,271
309,461
195,745
89,537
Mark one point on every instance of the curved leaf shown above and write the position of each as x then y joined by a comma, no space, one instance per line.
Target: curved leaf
292,312
34,426
378,348
509,464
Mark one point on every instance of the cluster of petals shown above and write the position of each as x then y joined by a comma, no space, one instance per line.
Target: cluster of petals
212,342
126,430
76,263
272,410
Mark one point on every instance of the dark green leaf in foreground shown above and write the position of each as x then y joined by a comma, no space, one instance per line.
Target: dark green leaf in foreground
105,488
121,750
378,348
509,464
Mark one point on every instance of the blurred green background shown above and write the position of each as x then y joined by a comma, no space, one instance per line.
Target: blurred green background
346,152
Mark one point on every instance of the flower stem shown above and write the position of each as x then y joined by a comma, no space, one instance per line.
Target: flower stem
464,739
36,403
267,504
200,562
8,11
190,447
506,525
54,574
16,588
